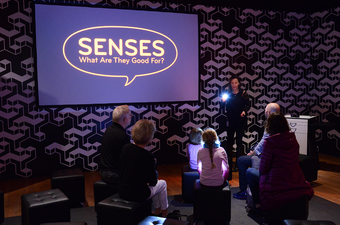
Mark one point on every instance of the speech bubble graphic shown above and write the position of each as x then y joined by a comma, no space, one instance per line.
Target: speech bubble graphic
96,50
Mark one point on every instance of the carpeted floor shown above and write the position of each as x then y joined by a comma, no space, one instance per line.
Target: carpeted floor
319,209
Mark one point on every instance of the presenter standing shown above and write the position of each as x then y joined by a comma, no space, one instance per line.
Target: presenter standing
237,104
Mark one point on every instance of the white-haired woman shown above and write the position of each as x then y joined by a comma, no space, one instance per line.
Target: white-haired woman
138,174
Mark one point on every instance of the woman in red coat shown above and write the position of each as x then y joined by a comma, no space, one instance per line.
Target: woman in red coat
282,180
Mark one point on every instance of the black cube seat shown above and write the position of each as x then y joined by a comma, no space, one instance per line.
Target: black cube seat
212,204
71,182
114,210
189,177
45,207
296,210
309,166
307,222
103,190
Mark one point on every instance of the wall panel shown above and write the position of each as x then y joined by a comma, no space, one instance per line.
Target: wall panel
284,57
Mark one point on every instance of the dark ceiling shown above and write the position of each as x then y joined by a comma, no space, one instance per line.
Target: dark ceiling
307,6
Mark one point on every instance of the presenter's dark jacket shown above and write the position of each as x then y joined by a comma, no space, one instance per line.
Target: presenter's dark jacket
114,139
235,105
137,171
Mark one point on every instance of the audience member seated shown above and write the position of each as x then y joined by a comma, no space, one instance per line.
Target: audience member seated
244,162
282,180
114,139
195,144
212,161
138,175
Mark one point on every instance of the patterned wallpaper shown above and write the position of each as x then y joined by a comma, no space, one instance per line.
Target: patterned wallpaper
285,57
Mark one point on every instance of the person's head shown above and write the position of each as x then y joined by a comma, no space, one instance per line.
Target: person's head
195,136
270,108
122,115
276,123
234,83
209,138
143,131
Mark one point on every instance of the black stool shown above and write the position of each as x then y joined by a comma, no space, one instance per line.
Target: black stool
44,207
307,222
309,163
71,182
296,210
114,210
189,177
212,204
103,190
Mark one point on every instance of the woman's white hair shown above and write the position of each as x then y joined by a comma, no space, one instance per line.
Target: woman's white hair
143,131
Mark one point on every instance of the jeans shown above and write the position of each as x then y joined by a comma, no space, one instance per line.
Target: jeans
253,178
243,163
159,195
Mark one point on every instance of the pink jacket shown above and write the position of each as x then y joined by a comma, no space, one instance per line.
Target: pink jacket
282,180
216,176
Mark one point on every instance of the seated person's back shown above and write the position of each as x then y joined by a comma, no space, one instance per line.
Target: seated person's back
195,144
137,170
282,180
212,160
114,139
138,176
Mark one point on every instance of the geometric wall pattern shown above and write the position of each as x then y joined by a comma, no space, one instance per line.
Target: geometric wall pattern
285,57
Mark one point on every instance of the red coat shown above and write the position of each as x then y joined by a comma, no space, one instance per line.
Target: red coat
282,180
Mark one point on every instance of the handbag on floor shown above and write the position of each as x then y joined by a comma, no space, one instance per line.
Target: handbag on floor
175,215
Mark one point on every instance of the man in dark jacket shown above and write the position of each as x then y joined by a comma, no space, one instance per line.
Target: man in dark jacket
114,139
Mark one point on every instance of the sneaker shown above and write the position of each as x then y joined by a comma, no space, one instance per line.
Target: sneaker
237,193
240,195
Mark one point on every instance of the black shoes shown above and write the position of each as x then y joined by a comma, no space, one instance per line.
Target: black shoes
235,168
